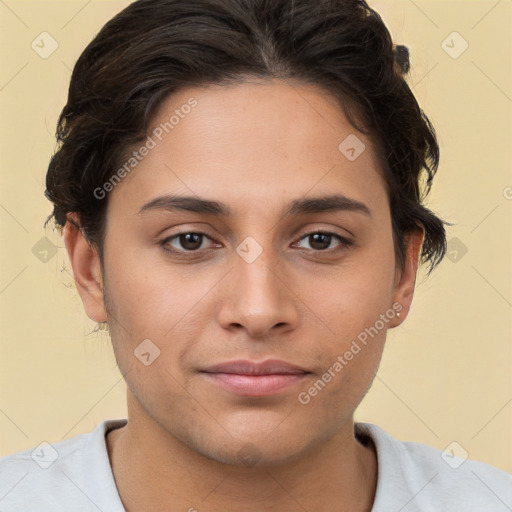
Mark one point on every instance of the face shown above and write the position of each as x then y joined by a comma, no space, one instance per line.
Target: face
267,272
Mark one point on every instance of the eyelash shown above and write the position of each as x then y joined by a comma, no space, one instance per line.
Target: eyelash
345,243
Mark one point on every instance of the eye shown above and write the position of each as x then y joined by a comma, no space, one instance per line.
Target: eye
192,242
187,242
321,240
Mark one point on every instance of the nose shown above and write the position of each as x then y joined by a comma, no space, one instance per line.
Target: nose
259,298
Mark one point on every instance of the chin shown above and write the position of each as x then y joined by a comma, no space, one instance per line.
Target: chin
255,450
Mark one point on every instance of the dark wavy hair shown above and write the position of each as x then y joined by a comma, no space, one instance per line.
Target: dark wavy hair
154,47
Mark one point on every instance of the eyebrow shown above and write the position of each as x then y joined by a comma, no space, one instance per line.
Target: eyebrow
330,203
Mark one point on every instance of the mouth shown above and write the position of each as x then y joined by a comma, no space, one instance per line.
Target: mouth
253,379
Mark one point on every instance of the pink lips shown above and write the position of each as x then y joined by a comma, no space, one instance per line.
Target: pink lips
247,378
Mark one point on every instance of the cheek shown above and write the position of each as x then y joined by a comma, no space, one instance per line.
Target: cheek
354,296
355,309
149,296
160,304
347,375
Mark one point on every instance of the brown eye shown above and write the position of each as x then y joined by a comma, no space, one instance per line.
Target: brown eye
190,241
184,242
321,241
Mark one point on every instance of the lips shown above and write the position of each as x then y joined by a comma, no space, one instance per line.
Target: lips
254,379
269,367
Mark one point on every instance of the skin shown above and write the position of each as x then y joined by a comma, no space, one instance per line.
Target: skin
255,147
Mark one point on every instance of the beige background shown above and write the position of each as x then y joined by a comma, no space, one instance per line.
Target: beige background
446,373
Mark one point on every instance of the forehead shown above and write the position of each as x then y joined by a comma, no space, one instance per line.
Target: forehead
252,141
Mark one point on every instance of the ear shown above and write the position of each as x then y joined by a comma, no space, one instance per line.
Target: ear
86,270
405,279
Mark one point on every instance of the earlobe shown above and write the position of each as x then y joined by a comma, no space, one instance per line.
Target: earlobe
86,270
405,281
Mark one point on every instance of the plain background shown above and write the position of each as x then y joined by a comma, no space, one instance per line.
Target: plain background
446,372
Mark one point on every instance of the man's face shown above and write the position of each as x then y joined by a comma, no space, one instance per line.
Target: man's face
254,285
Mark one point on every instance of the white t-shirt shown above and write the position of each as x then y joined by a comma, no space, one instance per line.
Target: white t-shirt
75,475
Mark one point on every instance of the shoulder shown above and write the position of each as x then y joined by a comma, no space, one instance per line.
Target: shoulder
419,477
56,476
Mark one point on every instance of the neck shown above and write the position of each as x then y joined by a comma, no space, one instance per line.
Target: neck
155,471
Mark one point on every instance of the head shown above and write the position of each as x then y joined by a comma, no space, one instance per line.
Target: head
204,149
